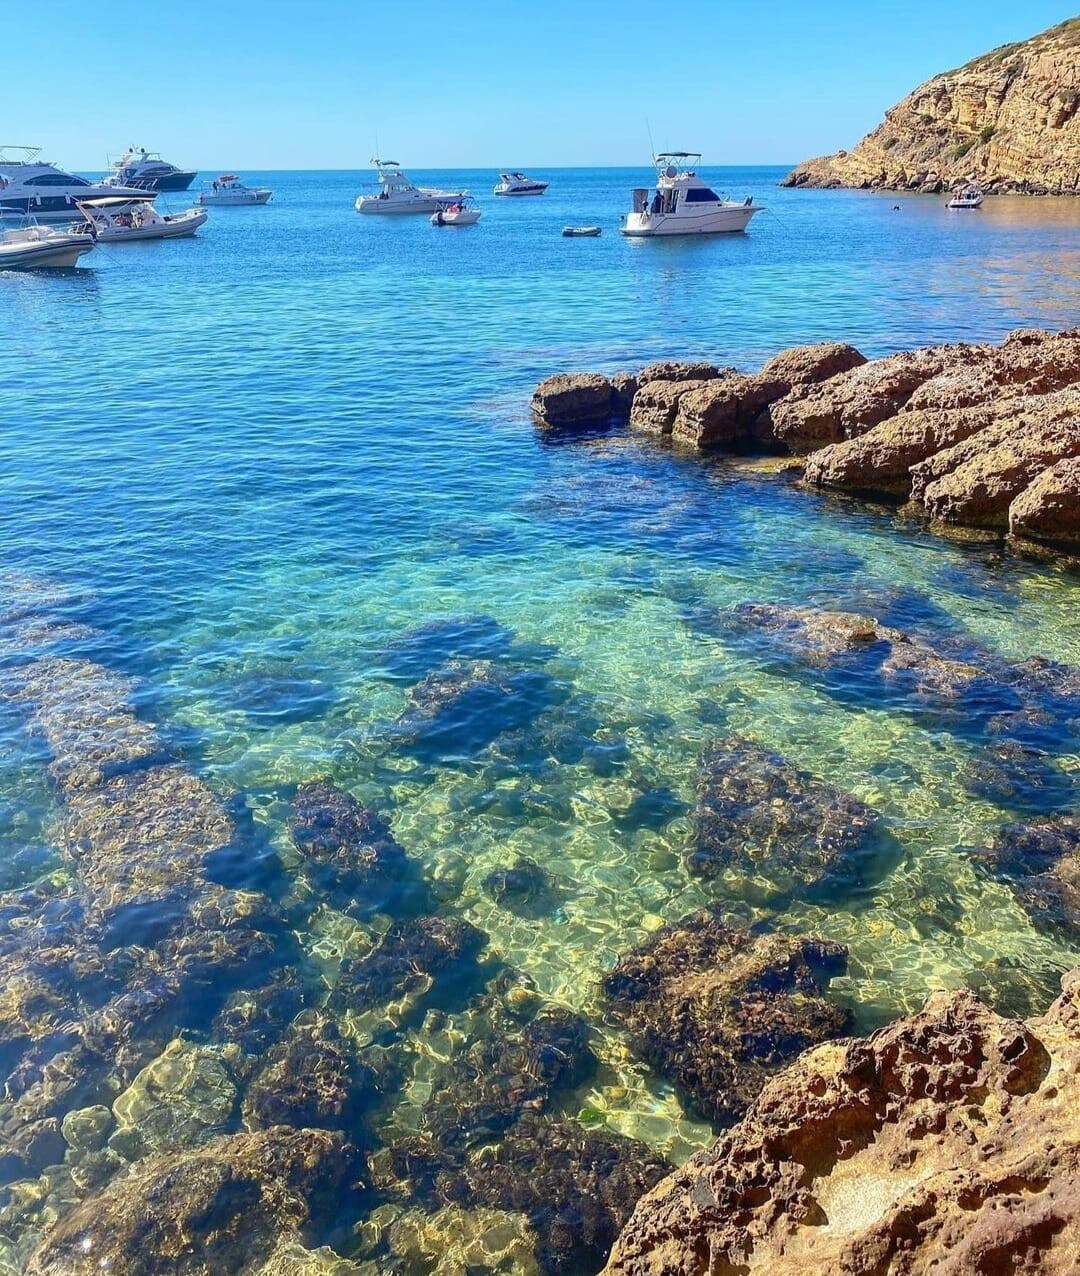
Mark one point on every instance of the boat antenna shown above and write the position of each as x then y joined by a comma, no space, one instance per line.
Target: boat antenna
652,144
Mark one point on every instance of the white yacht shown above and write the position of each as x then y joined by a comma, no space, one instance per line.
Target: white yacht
397,194
34,188
682,204
32,247
228,190
147,171
967,197
519,184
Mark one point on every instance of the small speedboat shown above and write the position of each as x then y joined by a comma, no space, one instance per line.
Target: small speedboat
119,221
462,212
580,232
519,184
230,190
968,197
33,247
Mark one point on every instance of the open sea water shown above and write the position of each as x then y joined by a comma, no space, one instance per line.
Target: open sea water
250,464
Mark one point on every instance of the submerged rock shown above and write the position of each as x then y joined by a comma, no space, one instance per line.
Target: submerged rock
406,961
761,818
715,1010
452,1241
524,888
180,1096
944,1142
575,1187
219,1210
423,649
1019,777
310,1080
1040,860
465,705
350,858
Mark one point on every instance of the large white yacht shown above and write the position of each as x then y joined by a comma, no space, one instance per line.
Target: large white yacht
30,186
397,194
147,171
682,204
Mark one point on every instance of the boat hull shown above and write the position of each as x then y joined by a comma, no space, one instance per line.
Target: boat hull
62,207
241,201
511,194
468,218
717,221
394,207
177,227
42,256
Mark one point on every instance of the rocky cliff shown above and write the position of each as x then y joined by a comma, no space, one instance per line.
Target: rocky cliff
945,1143
1009,120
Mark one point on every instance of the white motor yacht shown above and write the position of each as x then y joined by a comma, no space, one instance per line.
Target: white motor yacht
228,190
519,184
147,171
32,247
119,220
682,204
33,188
397,194
967,197
461,213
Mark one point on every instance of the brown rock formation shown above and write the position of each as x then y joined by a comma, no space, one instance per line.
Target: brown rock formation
945,1143
1008,119
573,398
1050,508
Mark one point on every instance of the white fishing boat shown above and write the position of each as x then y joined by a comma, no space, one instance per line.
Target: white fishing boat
462,212
146,170
681,203
228,190
397,194
519,184
34,247
32,187
120,221
966,197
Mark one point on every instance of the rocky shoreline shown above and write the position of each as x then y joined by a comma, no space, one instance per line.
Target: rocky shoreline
967,435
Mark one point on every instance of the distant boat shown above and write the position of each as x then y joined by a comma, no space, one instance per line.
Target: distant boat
968,197
33,247
682,204
519,184
462,213
580,232
230,190
397,194
146,170
120,220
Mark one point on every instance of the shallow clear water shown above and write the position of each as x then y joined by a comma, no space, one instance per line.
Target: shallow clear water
259,457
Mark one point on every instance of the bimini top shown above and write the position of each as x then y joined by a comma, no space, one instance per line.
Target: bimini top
13,155
384,163
670,155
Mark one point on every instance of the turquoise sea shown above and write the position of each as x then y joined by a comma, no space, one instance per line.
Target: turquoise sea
246,467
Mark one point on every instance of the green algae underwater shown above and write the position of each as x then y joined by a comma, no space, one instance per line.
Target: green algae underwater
362,754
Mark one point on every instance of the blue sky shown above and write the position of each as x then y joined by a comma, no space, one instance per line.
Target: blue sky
266,84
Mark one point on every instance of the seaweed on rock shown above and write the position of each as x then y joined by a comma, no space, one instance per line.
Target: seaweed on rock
576,1187
716,1010
1040,861
218,1210
350,857
779,830
525,888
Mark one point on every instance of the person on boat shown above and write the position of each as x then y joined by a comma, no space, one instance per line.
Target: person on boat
658,203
